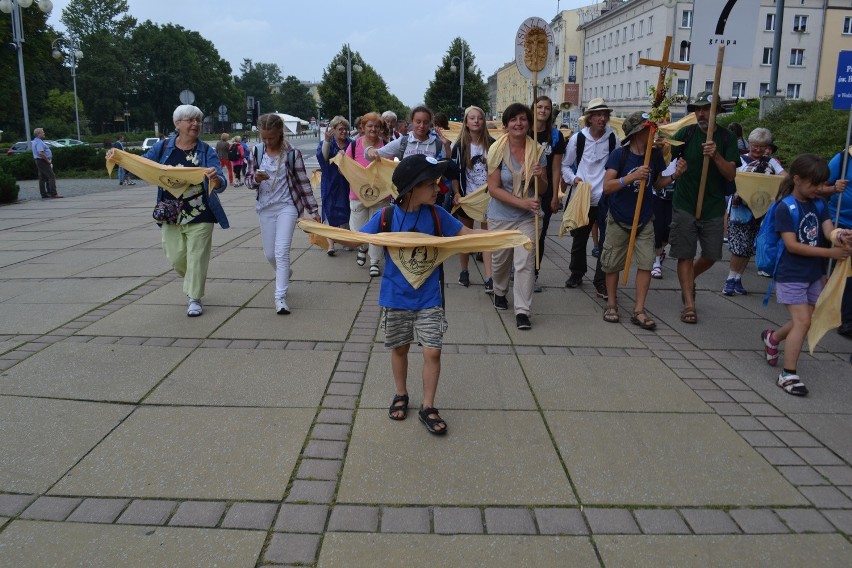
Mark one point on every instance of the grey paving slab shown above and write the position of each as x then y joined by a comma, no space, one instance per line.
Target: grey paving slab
43,438
304,324
710,521
518,437
576,331
11,504
350,518
144,458
301,518
95,510
481,328
90,371
198,514
509,520
315,266
660,521
355,550
566,302
51,508
75,290
147,512
216,293
32,543
38,318
258,516
608,384
65,263
254,267
830,429
561,521
146,237
458,520
160,321
405,520
8,345
298,549
247,377
805,520
791,551
467,381
639,459
316,295
758,521
140,263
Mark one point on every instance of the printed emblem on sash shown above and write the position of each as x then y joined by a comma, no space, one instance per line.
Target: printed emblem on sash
418,260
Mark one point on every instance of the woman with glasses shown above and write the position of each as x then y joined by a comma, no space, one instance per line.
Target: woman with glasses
188,239
334,189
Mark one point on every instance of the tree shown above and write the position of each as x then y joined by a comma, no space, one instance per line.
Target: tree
83,18
444,90
294,98
256,80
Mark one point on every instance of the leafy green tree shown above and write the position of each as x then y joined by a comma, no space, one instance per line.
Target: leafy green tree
83,18
443,92
294,98
255,80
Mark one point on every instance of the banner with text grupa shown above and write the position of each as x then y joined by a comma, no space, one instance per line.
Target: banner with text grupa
728,22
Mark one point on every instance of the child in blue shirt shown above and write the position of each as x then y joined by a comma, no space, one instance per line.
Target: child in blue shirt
799,275
415,314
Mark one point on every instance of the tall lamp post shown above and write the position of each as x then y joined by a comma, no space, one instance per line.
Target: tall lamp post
349,67
14,7
70,48
458,64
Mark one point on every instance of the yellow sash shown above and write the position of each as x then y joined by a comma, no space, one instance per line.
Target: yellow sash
577,209
758,191
173,179
371,184
532,153
826,314
417,254
475,204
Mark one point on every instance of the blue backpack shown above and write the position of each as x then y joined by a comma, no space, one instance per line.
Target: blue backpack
769,246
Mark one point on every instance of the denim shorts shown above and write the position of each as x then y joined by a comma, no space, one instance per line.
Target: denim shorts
401,326
796,293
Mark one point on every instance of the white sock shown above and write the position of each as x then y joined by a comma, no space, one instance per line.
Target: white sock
738,276
657,261
732,274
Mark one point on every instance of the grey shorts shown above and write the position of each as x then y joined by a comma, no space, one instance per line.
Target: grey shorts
614,253
401,326
686,232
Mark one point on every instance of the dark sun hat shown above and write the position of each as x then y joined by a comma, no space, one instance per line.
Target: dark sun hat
414,170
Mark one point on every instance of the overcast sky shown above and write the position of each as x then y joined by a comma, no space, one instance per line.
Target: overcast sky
403,40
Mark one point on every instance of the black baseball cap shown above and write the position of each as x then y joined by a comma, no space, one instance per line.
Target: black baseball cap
416,169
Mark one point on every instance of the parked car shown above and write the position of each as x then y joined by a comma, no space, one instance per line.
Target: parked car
70,142
148,143
21,147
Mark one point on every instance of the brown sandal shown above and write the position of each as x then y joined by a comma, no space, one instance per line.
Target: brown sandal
688,315
646,323
611,314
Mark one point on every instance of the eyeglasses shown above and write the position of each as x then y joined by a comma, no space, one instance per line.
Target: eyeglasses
191,120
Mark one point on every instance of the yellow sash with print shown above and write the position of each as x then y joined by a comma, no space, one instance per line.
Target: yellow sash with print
475,204
758,191
826,314
173,179
371,184
577,209
418,254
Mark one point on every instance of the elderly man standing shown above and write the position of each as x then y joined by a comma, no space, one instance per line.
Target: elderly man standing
585,160
687,231
44,162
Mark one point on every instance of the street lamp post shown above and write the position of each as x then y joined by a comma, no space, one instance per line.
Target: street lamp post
461,64
14,7
349,67
74,54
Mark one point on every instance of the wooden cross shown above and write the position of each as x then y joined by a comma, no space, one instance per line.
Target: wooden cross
664,66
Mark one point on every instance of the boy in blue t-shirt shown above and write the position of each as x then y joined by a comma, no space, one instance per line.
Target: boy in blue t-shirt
415,314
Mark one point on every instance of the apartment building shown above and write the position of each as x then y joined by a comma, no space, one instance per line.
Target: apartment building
836,37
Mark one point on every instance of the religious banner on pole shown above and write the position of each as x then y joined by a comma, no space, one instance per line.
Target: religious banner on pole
724,22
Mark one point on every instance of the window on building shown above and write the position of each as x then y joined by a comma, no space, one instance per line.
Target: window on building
847,25
646,86
617,36
630,61
628,90
641,28
767,56
622,62
608,66
650,25
621,91
797,57
624,33
686,19
794,90
607,91
764,89
632,31
638,57
610,39
738,90
769,26
708,86
638,94
682,87
683,54
598,45
800,23
648,53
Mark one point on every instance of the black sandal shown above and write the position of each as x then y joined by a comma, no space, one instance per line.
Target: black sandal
394,407
432,423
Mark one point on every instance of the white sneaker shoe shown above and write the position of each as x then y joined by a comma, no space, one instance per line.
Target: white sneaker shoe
281,307
195,308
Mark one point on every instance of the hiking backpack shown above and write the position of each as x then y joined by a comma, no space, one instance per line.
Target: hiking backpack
234,152
769,246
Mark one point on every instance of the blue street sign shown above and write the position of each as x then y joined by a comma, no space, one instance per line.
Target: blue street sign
843,85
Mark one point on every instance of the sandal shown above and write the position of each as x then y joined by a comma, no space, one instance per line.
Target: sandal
435,426
646,323
657,272
374,270
792,384
361,258
330,252
688,315
394,407
770,347
611,314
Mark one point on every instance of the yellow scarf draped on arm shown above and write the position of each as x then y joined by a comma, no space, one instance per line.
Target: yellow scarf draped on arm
475,204
577,209
371,184
826,314
417,254
173,179
532,153
758,191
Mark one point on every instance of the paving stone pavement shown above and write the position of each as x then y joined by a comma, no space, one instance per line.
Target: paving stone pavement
131,435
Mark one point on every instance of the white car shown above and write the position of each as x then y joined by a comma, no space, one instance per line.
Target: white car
148,143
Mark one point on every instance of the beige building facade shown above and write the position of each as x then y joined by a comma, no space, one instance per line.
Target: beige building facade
836,37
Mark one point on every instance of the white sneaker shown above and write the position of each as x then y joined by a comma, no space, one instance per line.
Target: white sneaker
281,307
195,308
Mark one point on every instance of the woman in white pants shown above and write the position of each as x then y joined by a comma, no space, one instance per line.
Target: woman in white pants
277,171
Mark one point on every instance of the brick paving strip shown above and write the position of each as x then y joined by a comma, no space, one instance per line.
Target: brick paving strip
295,526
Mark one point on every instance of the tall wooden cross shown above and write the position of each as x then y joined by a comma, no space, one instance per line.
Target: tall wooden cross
665,64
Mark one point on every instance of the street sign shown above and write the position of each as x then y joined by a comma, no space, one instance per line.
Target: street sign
223,109
187,97
724,22
223,117
843,83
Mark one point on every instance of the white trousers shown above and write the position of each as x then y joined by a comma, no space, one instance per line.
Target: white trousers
358,217
277,224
